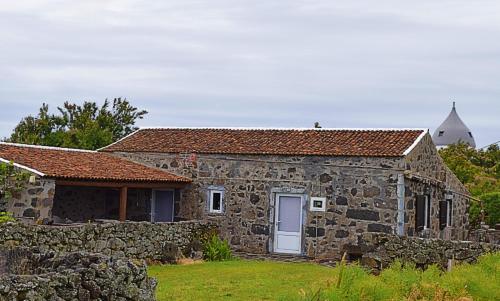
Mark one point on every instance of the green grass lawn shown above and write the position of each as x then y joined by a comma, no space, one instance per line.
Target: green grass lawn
238,280
268,280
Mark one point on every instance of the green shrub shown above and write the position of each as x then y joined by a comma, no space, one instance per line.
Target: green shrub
216,249
6,217
491,206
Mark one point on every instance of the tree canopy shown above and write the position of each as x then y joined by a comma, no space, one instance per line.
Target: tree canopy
86,126
479,170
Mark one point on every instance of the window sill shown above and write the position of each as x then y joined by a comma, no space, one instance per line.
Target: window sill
215,214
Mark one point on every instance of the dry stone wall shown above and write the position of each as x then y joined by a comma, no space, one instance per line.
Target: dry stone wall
380,250
32,275
486,234
142,240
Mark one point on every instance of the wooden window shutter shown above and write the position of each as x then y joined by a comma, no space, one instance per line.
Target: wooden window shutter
443,214
420,213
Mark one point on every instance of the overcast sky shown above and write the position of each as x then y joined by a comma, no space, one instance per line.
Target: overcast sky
258,62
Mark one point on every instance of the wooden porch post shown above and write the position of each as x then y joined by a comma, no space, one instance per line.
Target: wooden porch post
123,203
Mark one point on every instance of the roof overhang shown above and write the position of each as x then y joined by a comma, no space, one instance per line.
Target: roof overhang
23,167
119,184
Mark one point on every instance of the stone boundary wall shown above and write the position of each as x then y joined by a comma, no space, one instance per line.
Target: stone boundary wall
380,250
485,235
31,275
142,240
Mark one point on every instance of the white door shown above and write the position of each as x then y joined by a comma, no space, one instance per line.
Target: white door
288,224
162,206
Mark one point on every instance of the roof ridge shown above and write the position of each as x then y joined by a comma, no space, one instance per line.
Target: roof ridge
275,129
47,147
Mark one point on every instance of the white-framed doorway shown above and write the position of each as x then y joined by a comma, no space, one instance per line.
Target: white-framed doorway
288,223
162,205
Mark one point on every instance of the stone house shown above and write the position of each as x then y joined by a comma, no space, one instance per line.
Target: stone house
309,192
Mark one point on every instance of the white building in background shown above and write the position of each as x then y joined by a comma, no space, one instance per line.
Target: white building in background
453,130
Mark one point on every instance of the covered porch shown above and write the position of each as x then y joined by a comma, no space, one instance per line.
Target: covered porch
74,186
84,201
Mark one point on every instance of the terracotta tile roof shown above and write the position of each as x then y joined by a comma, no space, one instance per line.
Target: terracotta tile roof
320,142
63,163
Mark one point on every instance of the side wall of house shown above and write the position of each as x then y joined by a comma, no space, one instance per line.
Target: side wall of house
360,192
428,174
34,201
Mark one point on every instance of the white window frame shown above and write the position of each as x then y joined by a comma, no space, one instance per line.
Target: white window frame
427,212
318,199
211,200
449,212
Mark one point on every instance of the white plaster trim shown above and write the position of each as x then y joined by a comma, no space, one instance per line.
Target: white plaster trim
415,143
48,147
23,167
273,128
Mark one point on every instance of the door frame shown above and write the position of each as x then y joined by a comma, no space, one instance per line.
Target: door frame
276,214
153,203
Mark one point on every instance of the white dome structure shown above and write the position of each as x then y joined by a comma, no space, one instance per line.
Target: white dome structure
453,130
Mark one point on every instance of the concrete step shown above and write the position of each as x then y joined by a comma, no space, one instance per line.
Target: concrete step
273,256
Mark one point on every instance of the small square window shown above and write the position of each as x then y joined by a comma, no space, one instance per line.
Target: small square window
470,134
216,199
318,204
441,133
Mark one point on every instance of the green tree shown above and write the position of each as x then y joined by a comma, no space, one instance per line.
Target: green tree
491,207
85,126
479,170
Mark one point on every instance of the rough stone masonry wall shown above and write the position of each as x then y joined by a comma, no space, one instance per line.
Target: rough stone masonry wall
428,171
380,250
34,201
360,192
30,275
81,204
486,234
142,240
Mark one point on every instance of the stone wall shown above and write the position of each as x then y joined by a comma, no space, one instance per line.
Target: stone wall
361,195
143,240
35,201
427,172
360,192
486,234
380,250
32,275
81,204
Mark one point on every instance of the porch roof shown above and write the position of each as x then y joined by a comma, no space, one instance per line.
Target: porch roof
74,164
